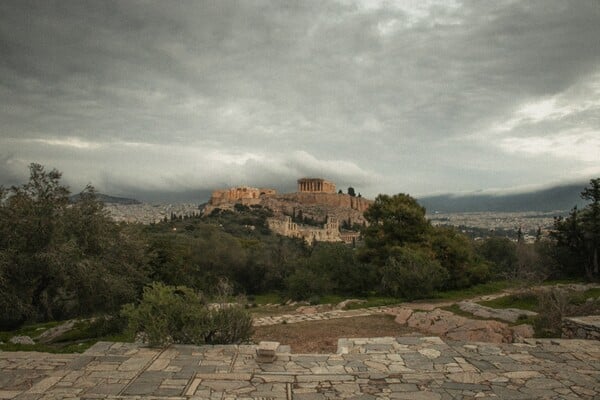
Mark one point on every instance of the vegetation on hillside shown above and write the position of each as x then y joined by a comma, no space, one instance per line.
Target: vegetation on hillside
61,260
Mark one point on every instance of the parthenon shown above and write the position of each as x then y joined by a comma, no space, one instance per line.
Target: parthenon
315,185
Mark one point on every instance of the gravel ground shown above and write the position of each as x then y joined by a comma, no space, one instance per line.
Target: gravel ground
322,336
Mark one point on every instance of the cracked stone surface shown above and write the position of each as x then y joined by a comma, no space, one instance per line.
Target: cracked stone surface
375,368
505,314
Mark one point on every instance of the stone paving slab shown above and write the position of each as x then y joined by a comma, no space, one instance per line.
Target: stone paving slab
375,368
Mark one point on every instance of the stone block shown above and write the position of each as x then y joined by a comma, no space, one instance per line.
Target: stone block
266,351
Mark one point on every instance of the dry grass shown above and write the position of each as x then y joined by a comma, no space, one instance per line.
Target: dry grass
322,336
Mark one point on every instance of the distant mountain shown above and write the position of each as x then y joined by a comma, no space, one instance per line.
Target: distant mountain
556,198
108,199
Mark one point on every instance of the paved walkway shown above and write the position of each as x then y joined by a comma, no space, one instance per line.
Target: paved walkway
319,316
333,314
417,305
382,368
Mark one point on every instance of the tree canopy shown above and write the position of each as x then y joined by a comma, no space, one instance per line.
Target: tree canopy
577,236
59,260
393,221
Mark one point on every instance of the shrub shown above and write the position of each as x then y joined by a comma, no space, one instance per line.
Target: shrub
169,314
228,325
555,304
501,252
412,274
304,283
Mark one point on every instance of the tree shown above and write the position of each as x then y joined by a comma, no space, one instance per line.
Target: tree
569,243
351,191
577,237
501,253
454,252
590,220
60,260
394,221
31,260
412,274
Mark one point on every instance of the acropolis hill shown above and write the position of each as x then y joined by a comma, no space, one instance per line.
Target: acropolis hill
315,199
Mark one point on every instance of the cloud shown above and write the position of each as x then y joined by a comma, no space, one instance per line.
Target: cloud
179,168
586,145
413,96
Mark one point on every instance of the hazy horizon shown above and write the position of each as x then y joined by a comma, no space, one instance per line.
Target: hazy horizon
157,100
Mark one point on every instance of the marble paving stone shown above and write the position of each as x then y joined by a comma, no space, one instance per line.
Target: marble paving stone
382,368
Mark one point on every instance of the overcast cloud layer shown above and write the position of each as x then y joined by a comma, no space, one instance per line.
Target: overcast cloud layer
143,98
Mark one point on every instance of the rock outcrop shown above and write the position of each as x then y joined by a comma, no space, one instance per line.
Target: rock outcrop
455,327
319,206
505,314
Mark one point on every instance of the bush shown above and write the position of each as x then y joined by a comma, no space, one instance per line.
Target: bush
169,314
412,274
501,252
304,283
228,325
555,304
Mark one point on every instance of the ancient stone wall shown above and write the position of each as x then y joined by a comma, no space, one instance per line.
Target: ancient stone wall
329,199
316,201
284,226
242,194
349,236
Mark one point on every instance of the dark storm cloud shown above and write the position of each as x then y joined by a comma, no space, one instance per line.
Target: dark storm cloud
423,96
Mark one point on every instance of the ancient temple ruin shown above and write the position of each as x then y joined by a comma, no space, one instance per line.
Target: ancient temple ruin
315,185
316,200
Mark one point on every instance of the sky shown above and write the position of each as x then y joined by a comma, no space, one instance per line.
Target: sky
168,100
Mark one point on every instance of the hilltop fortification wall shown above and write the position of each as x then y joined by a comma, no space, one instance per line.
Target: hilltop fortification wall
316,201
242,194
318,206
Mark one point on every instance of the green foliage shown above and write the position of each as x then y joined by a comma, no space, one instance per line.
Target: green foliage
397,226
305,283
393,222
577,237
177,314
551,304
331,268
455,253
501,253
476,290
60,261
83,335
526,300
236,246
412,274
553,307
92,328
